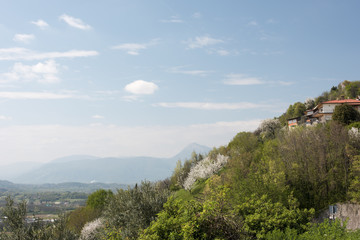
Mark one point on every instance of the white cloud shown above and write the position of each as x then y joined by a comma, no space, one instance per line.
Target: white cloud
181,70
204,41
12,54
75,22
47,142
140,87
131,98
285,83
240,79
197,15
173,19
213,106
265,53
131,48
45,72
134,48
24,38
40,23
38,96
98,117
253,23
223,52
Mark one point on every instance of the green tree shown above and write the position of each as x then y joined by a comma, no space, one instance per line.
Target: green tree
352,89
316,163
296,110
99,199
299,109
345,114
133,209
261,216
95,205
354,188
195,220
14,220
80,216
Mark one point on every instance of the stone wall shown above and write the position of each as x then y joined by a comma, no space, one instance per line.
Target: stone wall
350,212
345,211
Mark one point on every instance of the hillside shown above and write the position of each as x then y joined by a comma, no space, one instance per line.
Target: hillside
266,184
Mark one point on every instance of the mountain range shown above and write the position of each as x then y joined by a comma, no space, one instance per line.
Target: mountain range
90,169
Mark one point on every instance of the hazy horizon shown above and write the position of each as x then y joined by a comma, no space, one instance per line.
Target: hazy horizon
147,78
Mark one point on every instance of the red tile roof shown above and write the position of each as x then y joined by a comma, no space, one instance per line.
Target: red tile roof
349,101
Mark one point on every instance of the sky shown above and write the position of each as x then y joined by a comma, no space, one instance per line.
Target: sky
146,78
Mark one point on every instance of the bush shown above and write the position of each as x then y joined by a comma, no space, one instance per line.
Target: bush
195,220
99,199
262,216
133,210
345,114
80,216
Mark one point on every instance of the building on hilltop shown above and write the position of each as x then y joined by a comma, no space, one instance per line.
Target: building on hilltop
310,119
322,112
294,122
325,110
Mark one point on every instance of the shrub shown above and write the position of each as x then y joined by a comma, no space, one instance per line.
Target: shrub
345,114
132,210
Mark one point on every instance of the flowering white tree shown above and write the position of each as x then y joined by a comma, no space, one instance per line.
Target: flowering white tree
91,230
269,127
205,169
354,133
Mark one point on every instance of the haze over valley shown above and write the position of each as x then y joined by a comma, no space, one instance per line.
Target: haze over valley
90,169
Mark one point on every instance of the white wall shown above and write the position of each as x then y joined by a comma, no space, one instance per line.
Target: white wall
329,108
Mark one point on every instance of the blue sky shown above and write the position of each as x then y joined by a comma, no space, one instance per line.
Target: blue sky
129,78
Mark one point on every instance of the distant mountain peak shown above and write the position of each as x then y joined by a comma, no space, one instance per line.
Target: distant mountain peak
189,149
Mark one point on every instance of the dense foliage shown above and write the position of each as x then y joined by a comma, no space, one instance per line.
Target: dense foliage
274,185
133,210
345,114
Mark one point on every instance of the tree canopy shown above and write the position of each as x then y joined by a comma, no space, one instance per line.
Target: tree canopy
345,114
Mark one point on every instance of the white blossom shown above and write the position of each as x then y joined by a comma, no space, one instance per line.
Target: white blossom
354,133
205,169
91,229
269,127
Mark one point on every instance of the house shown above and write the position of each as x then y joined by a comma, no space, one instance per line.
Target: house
309,118
293,122
322,112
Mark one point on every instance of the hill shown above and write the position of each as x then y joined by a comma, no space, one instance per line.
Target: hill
125,170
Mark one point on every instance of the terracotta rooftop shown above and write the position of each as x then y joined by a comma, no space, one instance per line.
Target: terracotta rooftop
349,101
